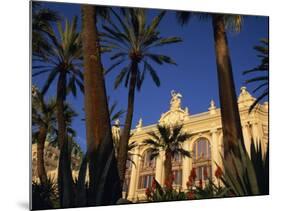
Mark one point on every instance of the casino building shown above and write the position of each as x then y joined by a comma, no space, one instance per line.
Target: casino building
205,144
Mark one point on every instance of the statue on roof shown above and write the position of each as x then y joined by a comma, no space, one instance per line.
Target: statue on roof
116,130
139,125
176,100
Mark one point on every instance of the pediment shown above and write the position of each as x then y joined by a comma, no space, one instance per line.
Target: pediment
173,117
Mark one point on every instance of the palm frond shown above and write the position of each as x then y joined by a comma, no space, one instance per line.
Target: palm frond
153,74
49,80
262,70
183,17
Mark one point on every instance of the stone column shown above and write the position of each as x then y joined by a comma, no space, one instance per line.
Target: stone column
186,164
159,167
215,151
247,137
134,175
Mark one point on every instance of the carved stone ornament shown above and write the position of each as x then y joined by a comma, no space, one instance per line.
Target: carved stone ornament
176,115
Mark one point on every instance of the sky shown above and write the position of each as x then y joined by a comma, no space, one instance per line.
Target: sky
194,76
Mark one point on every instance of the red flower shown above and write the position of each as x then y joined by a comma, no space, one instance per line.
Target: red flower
168,183
173,177
153,185
200,183
193,174
188,184
147,192
218,172
190,195
190,179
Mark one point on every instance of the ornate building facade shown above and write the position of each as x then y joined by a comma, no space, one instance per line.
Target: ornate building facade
205,144
51,160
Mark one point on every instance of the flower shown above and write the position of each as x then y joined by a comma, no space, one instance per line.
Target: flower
189,184
153,185
168,183
147,192
200,183
193,174
190,195
218,172
173,177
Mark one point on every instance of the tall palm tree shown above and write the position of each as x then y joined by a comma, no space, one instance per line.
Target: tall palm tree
43,123
262,69
69,114
42,18
132,41
169,140
231,125
98,125
64,62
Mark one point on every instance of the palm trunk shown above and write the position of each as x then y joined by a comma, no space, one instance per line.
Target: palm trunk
96,106
40,155
231,125
123,144
168,166
65,181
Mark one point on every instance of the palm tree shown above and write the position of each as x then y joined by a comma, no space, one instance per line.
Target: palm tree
64,62
263,68
42,19
98,127
169,140
231,125
133,41
43,123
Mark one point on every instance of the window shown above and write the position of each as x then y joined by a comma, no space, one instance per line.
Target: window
201,149
147,171
147,161
177,177
146,181
202,159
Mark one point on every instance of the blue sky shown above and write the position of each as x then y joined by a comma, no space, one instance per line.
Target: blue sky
194,76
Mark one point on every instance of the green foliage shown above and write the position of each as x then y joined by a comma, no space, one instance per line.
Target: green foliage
45,196
43,114
157,193
232,22
42,19
260,74
247,176
133,38
167,138
104,177
210,190
64,56
69,115
168,193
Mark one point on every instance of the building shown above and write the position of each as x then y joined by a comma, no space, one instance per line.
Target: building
205,143
51,160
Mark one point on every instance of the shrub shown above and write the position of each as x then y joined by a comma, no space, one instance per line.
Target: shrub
44,196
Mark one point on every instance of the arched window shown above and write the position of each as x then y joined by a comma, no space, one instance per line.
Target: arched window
147,161
147,171
201,159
